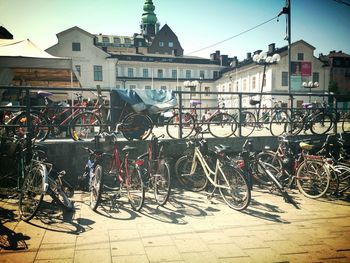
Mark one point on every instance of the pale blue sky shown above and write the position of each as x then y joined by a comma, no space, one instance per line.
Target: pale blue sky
325,24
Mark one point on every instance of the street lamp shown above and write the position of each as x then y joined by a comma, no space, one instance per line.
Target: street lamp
265,60
310,85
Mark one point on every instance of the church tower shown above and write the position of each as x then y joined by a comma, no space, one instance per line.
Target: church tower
148,20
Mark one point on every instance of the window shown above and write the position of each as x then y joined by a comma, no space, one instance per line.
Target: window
130,72
237,86
116,40
127,40
171,44
207,90
105,39
117,86
284,78
160,73
97,73
76,46
300,56
245,85
78,69
316,77
179,88
161,43
116,72
145,72
254,83
188,74
163,87
148,87
201,74
174,73
215,74
132,87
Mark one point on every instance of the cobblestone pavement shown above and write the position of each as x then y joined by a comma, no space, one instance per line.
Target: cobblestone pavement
190,228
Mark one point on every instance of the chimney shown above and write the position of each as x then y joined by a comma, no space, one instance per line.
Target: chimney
234,62
174,52
249,55
271,48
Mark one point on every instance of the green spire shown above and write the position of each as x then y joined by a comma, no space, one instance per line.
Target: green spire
149,17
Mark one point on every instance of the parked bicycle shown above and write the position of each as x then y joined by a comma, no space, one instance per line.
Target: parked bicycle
40,178
309,172
155,169
114,173
196,168
312,118
218,124
273,119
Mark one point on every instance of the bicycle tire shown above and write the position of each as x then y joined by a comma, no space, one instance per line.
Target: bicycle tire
248,123
271,158
346,123
134,186
136,126
39,125
32,193
196,182
313,178
85,126
238,196
162,183
58,195
297,123
173,126
222,125
343,173
321,123
96,187
279,123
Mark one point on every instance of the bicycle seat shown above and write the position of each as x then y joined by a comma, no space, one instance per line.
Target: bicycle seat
195,102
44,94
306,146
254,102
128,148
222,148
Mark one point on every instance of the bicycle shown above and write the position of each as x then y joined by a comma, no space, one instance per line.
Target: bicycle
219,124
42,178
155,170
310,172
312,118
101,165
345,124
194,170
276,117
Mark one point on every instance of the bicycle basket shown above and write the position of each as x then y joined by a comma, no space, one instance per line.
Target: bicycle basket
8,147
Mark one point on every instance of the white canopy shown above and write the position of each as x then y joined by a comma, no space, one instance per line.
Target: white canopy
25,54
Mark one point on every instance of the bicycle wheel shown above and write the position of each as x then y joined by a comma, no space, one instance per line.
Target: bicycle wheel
279,123
85,126
321,123
236,192
248,123
343,173
194,182
39,125
32,193
271,158
346,123
96,187
187,127
162,183
298,123
313,178
136,126
222,125
58,195
134,187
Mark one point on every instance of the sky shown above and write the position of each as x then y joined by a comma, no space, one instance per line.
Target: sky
198,24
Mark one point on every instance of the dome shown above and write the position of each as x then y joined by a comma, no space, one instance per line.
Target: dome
149,17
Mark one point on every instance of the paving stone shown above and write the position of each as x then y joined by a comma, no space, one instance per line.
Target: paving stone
92,256
163,254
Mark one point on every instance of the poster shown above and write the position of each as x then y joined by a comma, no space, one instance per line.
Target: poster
301,69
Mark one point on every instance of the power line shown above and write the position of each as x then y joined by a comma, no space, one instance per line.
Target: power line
342,2
239,34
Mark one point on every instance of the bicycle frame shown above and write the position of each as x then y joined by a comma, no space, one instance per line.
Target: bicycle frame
198,157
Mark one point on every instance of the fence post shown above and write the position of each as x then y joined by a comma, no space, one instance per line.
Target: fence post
102,108
180,115
240,115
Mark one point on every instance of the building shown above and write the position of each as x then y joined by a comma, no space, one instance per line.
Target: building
247,76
